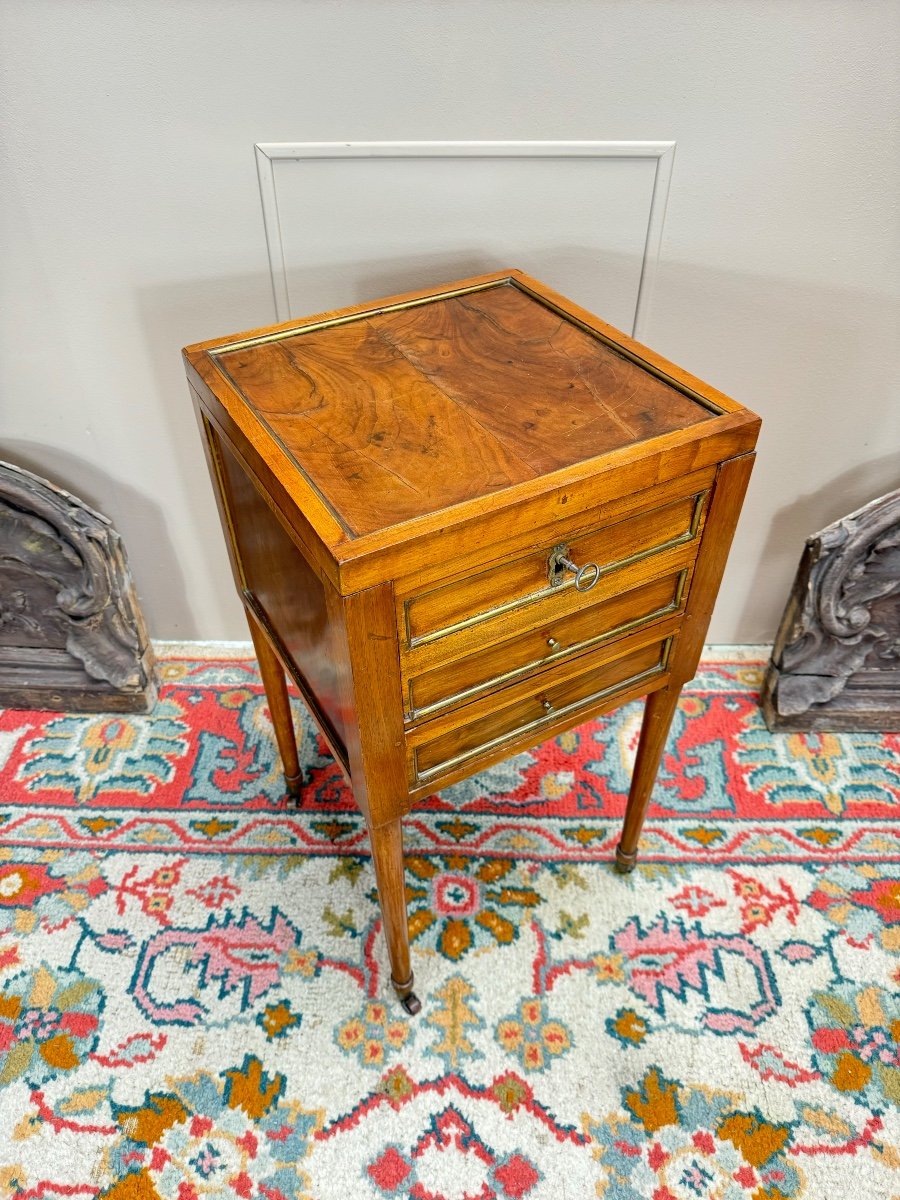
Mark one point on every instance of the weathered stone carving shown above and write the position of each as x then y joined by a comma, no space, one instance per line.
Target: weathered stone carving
836,660
72,636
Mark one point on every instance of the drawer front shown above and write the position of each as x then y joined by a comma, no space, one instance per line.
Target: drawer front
495,666
445,612
432,757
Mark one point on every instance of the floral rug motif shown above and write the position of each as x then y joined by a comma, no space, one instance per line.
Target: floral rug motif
194,995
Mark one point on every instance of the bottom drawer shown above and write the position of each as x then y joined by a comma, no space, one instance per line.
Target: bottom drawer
449,750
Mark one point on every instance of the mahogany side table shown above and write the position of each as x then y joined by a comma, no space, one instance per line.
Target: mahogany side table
465,520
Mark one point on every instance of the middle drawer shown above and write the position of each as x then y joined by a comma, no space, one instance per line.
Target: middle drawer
457,682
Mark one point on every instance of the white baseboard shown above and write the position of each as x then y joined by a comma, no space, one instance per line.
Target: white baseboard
239,650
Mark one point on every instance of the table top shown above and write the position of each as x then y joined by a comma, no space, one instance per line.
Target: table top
406,407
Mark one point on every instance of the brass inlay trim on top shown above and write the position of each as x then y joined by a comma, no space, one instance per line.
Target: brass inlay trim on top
631,355
451,294
216,353
449,763
328,322
498,680
523,601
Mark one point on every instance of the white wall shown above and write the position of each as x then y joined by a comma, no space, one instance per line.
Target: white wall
132,225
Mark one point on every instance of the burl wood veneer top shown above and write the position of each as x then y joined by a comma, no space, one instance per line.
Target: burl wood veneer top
395,414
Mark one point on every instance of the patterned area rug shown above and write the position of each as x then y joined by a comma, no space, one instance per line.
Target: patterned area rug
194,999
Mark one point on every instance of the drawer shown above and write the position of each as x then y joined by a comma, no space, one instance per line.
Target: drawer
495,666
551,700
523,584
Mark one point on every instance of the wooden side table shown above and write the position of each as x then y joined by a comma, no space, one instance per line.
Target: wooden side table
464,520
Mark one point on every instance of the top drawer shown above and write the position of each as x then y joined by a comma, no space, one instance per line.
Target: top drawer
488,595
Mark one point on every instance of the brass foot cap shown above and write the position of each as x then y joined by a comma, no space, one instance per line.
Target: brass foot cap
412,1004
294,787
625,863
408,997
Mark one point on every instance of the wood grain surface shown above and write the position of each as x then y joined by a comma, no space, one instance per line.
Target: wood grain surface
398,414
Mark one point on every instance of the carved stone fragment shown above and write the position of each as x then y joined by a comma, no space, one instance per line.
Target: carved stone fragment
836,660
72,636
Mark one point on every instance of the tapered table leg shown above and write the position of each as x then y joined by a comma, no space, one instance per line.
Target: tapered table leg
275,683
387,857
658,713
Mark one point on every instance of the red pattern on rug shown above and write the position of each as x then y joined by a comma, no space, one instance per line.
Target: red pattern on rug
193,989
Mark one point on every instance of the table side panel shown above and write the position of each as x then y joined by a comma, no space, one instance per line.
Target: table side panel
290,509
289,593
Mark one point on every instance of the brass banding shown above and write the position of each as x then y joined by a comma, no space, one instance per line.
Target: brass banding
449,764
497,610
558,652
